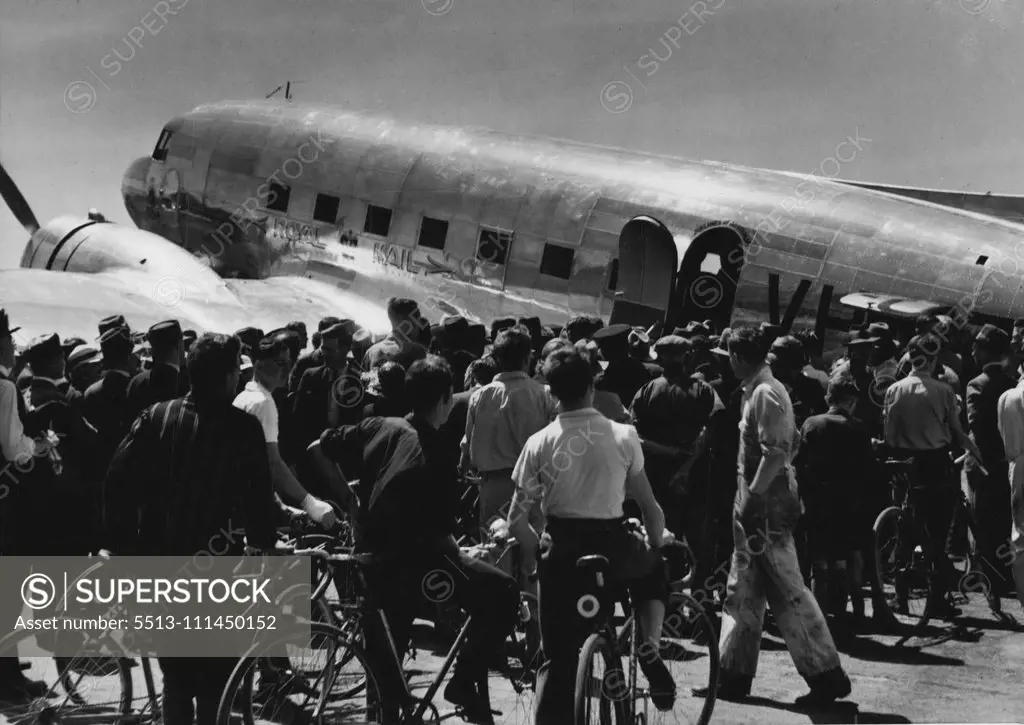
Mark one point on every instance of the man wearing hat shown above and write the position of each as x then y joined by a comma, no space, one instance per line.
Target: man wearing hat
410,333
188,337
271,364
313,358
989,489
624,375
673,414
16,450
299,328
165,380
332,394
922,423
250,337
579,328
454,344
47,409
112,323
84,366
105,403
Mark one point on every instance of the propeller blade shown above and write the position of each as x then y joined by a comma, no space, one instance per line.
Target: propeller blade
16,202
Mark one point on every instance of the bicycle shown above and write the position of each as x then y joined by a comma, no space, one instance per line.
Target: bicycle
901,545
348,695
617,693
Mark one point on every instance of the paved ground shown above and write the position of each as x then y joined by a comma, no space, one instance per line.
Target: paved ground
969,673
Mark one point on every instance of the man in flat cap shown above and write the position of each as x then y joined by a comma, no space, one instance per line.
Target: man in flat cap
580,327
409,338
106,401
17,449
68,505
84,366
988,484
250,337
624,375
272,361
188,337
313,358
165,380
673,416
331,394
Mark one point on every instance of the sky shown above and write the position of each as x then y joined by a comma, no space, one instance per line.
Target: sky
929,86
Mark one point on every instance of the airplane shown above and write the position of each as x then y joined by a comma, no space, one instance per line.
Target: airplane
485,224
108,269
279,210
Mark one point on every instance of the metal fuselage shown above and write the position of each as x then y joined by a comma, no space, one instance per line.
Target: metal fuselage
487,225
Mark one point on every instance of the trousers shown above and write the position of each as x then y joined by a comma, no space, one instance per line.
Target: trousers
1017,530
199,679
496,490
769,573
562,629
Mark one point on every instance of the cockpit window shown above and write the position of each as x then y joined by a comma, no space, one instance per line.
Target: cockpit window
160,152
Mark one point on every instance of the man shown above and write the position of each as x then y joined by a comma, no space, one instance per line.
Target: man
250,337
672,416
764,561
271,363
312,359
409,338
105,403
299,328
581,504
834,466
1011,429
84,367
454,345
292,449
165,380
624,375
16,456
407,497
989,489
787,359
478,374
198,448
580,328
501,418
63,491
330,395
922,423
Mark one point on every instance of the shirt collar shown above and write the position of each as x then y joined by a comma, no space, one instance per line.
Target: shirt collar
514,375
118,371
255,385
761,375
580,413
41,379
5,371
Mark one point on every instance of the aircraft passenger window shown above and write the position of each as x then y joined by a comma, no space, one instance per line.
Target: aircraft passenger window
278,199
613,275
326,208
433,233
493,246
378,220
557,261
160,151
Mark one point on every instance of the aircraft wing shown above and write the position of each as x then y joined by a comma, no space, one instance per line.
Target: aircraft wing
72,304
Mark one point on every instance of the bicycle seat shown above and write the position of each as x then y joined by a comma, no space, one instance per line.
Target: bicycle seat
592,564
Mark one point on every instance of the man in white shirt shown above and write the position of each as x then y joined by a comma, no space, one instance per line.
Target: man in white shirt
1011,428
271,362
572,478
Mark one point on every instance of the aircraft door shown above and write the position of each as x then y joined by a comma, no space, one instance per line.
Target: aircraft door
709,276
646,273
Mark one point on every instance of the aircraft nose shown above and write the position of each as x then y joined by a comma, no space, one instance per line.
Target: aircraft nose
133,188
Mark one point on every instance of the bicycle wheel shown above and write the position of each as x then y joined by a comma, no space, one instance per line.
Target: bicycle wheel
313,687
83,688
514,697
901,571
689,648
601,684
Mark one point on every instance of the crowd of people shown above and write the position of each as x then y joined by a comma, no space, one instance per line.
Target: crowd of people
743,441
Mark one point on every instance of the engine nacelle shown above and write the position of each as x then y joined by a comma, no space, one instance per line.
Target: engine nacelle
89,246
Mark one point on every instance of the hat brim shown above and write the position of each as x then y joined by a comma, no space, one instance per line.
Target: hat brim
720,351
863,341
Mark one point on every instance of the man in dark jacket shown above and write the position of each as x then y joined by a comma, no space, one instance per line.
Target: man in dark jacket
332,394
166,379
624,374
312,359
105,403
990,493
196,449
